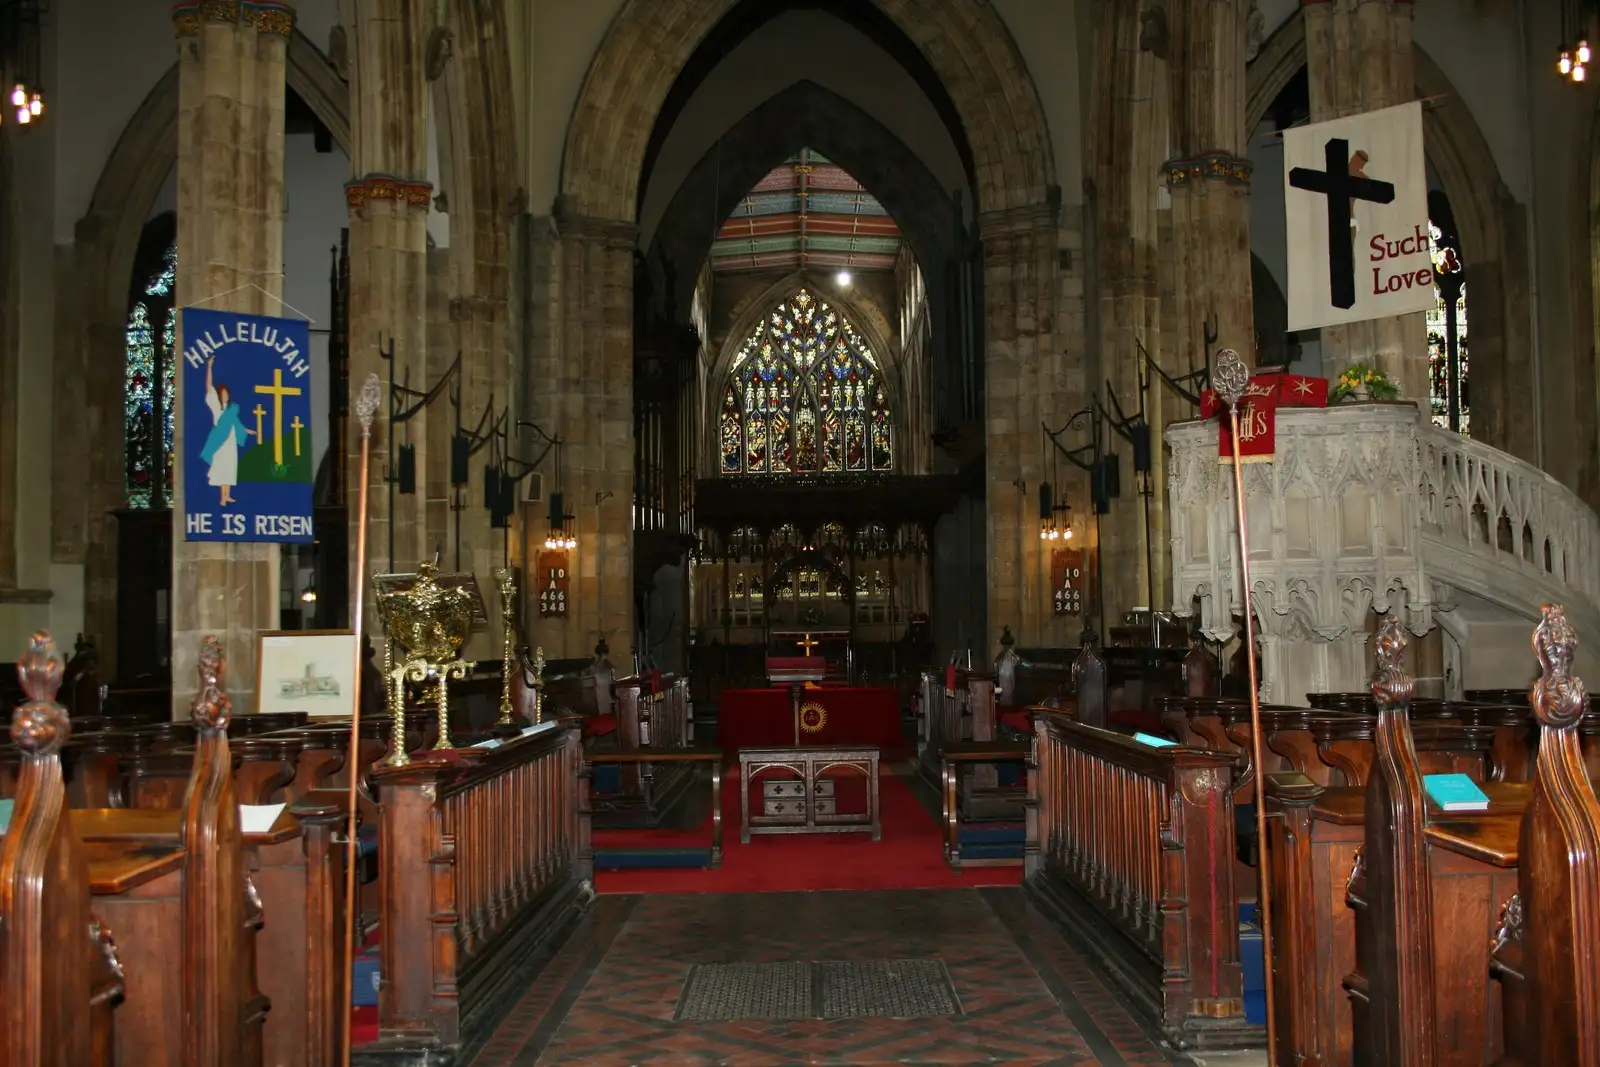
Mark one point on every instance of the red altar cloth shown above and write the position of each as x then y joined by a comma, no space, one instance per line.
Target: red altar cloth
797,663
857,715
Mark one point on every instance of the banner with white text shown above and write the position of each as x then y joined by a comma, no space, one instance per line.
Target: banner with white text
1356,196
247,470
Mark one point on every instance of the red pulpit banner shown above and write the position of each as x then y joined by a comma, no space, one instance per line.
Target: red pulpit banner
1258,412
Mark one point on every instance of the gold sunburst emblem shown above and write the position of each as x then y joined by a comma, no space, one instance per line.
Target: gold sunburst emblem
813,717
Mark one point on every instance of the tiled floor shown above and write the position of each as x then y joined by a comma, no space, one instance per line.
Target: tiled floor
1027,997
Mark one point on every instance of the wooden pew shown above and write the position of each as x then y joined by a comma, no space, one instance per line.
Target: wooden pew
1544,950
485,857
1131,847
57,967
652,714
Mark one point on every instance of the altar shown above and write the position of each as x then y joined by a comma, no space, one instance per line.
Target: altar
830,646
830,714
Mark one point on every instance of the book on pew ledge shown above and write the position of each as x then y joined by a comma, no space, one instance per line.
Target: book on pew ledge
1153,741
1455,792
5,814
258,818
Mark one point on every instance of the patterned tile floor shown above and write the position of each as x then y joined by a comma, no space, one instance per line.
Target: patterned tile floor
609,996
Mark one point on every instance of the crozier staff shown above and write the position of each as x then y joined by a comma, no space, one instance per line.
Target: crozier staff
222,443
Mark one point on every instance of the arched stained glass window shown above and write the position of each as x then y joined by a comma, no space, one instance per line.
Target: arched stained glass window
148,386
805,395
1449,399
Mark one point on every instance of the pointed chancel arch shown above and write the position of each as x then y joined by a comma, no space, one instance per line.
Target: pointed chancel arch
805,395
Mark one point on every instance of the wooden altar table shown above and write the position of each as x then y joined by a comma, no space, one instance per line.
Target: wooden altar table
810,763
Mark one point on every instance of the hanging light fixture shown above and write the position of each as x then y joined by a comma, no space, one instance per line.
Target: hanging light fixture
1577,19
20,22
561,531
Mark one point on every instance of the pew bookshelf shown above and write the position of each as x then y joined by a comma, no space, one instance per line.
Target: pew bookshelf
709,755
953,757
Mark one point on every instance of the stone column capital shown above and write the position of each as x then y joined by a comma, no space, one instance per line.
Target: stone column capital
1043,217
268,16
361,191
1208,166
613,233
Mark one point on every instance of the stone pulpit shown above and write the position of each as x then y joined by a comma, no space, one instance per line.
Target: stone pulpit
1336,528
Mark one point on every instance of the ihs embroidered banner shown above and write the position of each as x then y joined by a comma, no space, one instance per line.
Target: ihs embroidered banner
1258,412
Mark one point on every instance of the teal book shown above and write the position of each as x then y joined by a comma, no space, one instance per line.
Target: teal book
5,814
1455,792
1154,741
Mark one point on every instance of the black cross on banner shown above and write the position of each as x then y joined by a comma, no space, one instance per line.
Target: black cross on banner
1340,187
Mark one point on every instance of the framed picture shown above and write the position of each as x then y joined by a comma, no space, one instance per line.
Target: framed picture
313,671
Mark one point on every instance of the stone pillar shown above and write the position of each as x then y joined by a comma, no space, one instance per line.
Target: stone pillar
388,197
1131,116
1359,57
231,64
582,392
1023,378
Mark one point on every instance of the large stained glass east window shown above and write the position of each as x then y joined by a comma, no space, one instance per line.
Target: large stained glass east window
148,386
805,396
1449,399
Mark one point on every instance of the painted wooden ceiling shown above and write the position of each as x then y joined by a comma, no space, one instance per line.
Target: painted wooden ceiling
807,213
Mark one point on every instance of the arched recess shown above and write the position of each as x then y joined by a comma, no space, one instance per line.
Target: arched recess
964,41
866,319
87,375
1491,224
805,115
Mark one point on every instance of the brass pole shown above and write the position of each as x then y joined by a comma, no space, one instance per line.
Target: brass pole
1231,379
366,407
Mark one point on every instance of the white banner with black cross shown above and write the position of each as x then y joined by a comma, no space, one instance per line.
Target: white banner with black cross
1356,195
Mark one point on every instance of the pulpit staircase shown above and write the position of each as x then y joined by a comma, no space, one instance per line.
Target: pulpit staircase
1372,506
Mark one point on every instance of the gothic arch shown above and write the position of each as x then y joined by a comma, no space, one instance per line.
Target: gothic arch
866,319
106,241
805,115
1488,220
965,41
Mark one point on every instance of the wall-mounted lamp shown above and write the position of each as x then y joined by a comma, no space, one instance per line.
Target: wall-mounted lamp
561,528
1055,520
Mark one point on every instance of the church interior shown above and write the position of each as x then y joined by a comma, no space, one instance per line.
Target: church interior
776,531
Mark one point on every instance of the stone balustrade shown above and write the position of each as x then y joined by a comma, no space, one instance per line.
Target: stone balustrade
1370,507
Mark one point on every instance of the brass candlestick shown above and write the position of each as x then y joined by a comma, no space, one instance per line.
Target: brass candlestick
538,686
431,623
506,580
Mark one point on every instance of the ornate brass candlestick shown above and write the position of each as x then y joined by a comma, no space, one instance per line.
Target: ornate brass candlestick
431,623
538,686
506,580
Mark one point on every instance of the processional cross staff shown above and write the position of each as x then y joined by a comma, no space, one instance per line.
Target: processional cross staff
366,407
1231,379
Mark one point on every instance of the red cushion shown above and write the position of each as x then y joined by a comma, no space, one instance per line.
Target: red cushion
1017,719
599,725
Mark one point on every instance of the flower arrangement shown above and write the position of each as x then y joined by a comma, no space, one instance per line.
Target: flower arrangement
1362,381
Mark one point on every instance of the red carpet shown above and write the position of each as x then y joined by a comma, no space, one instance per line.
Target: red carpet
908,857
853,715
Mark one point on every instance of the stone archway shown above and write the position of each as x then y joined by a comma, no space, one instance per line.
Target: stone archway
94,312
971,53
1491,225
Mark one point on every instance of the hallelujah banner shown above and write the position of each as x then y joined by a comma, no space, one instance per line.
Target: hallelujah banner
1356,200
247,463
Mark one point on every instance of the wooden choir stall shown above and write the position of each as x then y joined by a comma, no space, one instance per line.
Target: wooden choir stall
201,942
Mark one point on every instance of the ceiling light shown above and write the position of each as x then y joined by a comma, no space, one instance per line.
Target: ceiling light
843,278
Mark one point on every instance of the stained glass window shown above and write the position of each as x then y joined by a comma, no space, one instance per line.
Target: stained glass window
805,395
148,385
1449,399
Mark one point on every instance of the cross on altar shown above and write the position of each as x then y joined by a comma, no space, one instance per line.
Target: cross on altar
808,644
1341,183
277,390
258,412
297,426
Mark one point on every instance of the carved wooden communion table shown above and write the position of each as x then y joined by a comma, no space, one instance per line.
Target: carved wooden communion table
811,763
